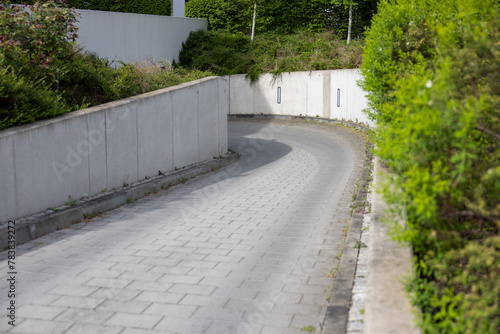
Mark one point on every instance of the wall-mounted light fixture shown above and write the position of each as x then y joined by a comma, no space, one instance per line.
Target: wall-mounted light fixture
338,97
279,95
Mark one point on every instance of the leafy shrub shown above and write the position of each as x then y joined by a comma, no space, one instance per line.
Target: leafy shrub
220,53
228,16
43,75
133,79
432,70
23,101
24,37
224,53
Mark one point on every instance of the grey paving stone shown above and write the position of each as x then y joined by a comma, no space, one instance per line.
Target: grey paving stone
94,329
203,290
78,302
72,290
35,326
115,293
113,283
245,250
84,316
41,312
171,310
140,275
184,326
116,305
159,297
145,321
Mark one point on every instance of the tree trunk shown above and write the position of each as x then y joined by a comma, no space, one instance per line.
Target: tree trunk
253,21
350,22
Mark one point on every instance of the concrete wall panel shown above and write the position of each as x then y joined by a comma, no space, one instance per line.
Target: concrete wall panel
185,121
294,93
223,112
96,138
135,37
338,102
265,95
242,93
357,98
315,94
121,145
302,93
154,119
8,204
48,159
208,115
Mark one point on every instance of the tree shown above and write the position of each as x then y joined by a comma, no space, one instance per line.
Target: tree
350,23
349,16
253,20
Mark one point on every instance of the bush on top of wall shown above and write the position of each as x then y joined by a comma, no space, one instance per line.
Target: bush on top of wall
42,75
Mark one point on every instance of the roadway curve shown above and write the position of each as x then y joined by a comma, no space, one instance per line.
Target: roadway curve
249,249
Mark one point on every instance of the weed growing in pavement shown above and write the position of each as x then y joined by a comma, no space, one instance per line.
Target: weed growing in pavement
71,201
360,244
309,329
89,216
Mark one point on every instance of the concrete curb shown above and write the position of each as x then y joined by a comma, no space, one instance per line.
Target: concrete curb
359,126
40,224
337,312
387,307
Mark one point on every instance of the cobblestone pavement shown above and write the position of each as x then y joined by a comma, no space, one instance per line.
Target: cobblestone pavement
249,249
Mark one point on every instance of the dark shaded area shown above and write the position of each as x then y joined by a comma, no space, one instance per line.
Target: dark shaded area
152,7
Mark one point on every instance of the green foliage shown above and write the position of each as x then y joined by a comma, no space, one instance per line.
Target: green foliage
23,101
43,75
152,7
24,37
432,70
220,53
224,53
282,17
229,16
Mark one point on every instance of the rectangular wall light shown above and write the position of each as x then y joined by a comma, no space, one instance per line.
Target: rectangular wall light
279,95
338,97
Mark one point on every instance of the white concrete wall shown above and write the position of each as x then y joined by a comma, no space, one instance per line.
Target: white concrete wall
106,146
178,8
302,93
134,37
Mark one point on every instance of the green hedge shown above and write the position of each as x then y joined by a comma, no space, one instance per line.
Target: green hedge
432,70
152,7
283,17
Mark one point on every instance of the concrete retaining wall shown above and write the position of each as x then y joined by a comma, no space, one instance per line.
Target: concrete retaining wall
330,94
135,37
52,162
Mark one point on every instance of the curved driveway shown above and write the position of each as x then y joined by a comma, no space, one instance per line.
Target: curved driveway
249,249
